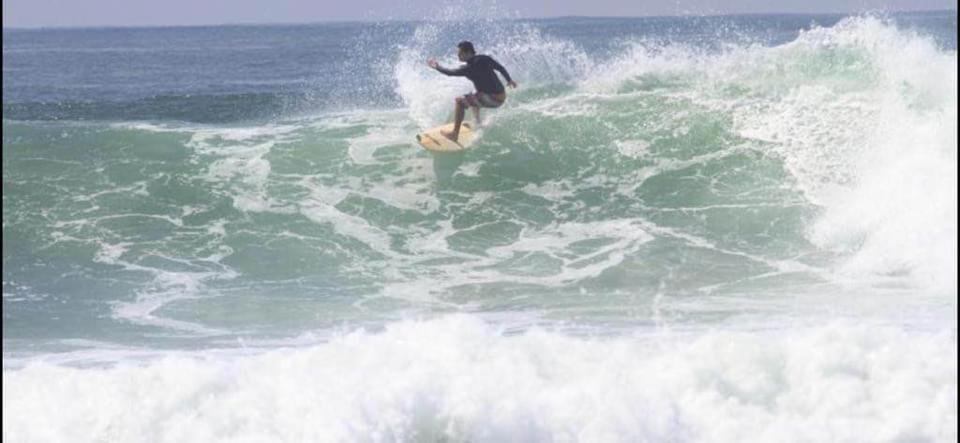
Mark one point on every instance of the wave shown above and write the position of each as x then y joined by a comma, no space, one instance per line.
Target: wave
861,116
460,379
659,173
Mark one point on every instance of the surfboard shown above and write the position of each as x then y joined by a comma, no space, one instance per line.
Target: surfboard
433,140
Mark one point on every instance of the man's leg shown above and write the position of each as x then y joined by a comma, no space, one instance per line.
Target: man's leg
458,119
476,115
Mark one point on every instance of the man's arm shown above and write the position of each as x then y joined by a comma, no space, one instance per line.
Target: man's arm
503,71
459,72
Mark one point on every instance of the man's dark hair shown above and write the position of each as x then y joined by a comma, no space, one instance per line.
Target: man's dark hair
466,46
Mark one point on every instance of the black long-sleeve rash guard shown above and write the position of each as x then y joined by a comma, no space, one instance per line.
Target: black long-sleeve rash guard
479,69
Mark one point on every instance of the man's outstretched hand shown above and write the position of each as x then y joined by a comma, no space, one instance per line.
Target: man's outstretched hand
433,63
512,84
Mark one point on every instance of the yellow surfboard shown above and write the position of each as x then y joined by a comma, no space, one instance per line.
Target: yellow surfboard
433,140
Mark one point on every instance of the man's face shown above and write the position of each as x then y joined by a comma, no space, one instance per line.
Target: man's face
463,55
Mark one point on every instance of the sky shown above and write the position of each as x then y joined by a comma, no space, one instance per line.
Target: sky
57,13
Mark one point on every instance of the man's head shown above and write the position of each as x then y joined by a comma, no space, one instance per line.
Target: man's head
465,50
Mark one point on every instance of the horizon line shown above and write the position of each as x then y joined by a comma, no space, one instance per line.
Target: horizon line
393,20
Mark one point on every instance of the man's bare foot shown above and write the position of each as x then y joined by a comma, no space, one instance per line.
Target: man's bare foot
449,135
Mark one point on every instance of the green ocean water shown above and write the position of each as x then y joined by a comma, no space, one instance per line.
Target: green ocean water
675,223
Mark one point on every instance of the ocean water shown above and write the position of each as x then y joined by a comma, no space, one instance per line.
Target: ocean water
737,228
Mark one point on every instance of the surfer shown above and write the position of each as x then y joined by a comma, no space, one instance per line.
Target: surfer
480,70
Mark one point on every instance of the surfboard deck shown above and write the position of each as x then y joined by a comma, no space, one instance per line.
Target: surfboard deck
433,140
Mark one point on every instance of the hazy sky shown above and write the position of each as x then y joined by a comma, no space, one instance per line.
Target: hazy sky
33,13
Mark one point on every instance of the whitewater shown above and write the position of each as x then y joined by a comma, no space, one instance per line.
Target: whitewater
733,228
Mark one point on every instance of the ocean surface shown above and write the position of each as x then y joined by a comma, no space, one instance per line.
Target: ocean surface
722,229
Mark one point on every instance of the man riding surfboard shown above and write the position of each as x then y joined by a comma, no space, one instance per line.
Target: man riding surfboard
479,69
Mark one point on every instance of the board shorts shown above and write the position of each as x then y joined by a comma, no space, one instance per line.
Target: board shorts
481,100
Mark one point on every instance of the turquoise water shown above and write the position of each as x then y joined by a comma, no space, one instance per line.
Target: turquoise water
697,229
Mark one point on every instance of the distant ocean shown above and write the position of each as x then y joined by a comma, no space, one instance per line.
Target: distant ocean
716,229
